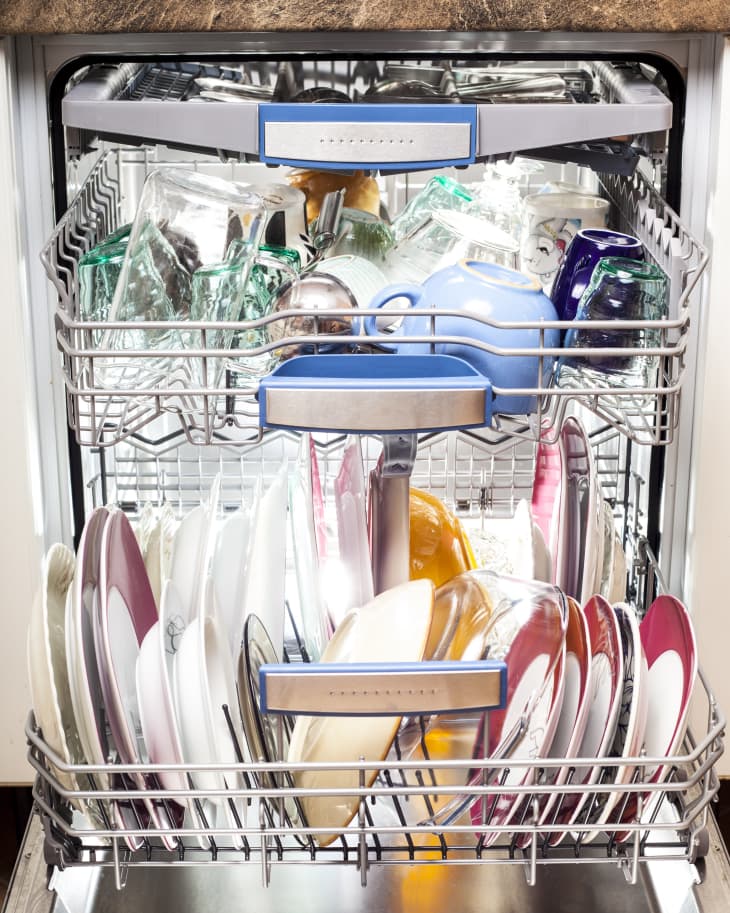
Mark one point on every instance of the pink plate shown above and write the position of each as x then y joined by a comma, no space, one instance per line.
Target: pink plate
606,688
546,498
356,577
574,709
671,654
126,611
320,522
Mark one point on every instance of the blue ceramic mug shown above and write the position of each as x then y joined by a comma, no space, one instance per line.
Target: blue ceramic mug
585,250
486,296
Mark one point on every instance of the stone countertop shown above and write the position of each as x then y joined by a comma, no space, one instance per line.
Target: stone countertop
108,16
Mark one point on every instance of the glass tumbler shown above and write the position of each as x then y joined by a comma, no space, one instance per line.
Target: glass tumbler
445,238
620,289
363,235
99,271
585,250
440,193
189,255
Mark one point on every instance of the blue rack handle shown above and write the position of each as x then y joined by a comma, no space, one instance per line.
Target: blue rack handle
375,394
382,689
368,136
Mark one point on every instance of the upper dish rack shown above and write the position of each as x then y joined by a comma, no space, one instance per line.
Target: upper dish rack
199,402
368,114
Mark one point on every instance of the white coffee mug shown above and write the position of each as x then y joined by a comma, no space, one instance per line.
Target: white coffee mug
550,222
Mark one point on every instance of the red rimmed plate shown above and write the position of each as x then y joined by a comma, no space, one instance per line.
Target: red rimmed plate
669,643
574,708
538,747
606,688
126,611
534,683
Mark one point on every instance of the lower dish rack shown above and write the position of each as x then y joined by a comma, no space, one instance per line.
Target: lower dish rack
676,830
399,817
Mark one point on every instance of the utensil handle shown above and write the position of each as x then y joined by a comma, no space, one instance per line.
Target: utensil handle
382,689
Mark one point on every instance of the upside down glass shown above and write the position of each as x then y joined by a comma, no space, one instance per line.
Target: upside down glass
444,238
620,289
440,193
189,255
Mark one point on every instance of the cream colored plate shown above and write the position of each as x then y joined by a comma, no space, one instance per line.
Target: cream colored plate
392,628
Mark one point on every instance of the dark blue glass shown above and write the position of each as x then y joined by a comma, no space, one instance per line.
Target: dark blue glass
621,290
585,250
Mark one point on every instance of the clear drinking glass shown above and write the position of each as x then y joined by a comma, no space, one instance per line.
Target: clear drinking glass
99,272
363,235
620,289
440,193
273,267
189,255
445,238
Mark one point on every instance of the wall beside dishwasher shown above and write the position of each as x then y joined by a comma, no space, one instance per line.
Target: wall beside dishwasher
21,528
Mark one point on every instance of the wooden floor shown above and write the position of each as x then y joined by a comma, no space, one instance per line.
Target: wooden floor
15,805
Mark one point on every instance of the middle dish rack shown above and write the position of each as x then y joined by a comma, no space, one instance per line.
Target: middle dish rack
196,392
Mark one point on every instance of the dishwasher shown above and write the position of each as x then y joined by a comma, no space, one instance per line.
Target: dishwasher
254,109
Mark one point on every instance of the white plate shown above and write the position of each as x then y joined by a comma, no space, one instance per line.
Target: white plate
125,613
535,743
264,592
392,628
156,547
203,684
605,566
156,710
533,648
312,611
229,571
617,591
542,559
154,694
593,546
506,545
574,709
668,639
48,675
186,569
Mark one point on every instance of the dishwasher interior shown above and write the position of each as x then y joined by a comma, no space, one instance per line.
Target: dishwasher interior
610,127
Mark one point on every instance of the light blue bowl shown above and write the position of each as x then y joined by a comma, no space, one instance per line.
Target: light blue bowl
480,292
